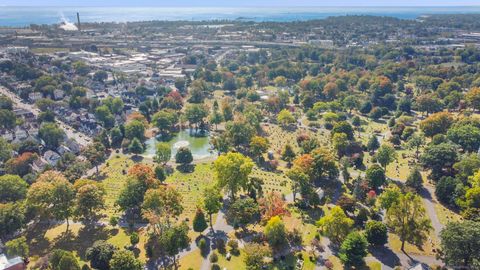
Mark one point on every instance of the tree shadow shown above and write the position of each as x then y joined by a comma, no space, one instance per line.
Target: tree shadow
186,168
385,255
136,158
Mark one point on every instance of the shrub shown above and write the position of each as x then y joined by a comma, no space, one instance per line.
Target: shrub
214,257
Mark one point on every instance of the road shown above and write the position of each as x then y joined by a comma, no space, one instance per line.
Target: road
79,137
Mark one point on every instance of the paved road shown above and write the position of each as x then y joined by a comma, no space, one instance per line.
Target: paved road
79,137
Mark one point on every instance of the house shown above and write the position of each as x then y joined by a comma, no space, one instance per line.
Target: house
58,94
39,165
51,157
73,146
34,96
20,133
8,136
22,113
419,266
62,150
15,263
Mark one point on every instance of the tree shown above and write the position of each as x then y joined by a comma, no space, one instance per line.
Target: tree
165,120
12,218
385,155
173,240
414,179
116,137
376,232
272,205
135,147
18,247
343,127
373,143
100,76
51,134
415,142
135,129
285,118
183,156
100,254
408,219
467,167
288,154
124,260
467,136
239,132
63,260
162,203
195,113
437,123
275,232
90,199
232,170
5,150
445,190
460,243
215,118
131,196
81,68
353,249
255,255
12,188
258,146
212,201
439,158
336,225
199,222
375,176
160,173
299,180
324,164
242,212
95,154
473,98
163,153
7,119
21,164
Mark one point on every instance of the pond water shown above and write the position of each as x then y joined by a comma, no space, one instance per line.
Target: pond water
199,145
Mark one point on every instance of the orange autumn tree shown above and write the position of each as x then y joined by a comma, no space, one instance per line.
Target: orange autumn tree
272,205
304,163
144,174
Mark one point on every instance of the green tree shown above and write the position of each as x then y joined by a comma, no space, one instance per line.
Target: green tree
163,153
242,212
408,219
353,249
336,225
375,176
467,136
135,129
51,134
343,127
12,218
5,150
100,254
215,118
63,260
124,260
135,147
437,123
89,200
12,188
376,232
18,247
7,119
95,154
460,243
373,143
439,158
288,154
231,171
414,179
415,142
212,201
195,114
160,173
173,240
285,118
385,155
255,255
199,222
183,156
275,232
258,146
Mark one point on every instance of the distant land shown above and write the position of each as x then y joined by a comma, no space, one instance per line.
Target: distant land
24,16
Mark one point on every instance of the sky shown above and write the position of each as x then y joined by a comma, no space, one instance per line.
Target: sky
239,3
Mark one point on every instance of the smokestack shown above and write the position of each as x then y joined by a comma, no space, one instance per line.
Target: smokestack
78,22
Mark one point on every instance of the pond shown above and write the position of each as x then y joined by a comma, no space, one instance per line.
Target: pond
199,145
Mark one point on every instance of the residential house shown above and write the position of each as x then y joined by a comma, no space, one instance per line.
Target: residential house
58,94
20,133
34,96
15,263
39,165
51,157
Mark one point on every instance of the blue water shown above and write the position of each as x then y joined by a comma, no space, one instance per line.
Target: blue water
24,16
